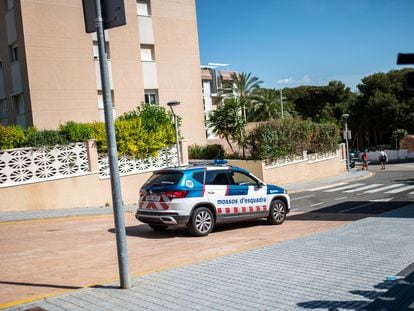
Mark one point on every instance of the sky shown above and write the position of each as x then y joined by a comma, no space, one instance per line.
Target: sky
287,43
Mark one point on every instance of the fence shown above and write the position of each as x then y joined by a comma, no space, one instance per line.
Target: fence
71,176
30,165
297,168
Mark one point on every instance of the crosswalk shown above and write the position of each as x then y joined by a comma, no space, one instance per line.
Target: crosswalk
364,188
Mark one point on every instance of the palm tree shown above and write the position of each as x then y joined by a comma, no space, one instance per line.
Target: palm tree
241,86
226,122
265,105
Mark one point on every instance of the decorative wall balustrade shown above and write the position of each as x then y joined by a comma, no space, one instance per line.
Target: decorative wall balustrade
312,157
129,166
30,165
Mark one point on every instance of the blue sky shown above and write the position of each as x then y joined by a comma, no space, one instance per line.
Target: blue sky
287,43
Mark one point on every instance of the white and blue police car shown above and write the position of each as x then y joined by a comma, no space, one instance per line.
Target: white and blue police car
202,195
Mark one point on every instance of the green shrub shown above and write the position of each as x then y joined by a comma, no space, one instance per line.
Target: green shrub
208,152
291,136
98,133
76,132
129,135
141,132
12,137
156,130
37,138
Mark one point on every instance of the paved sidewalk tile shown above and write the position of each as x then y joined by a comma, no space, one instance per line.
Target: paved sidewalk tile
342,269
66,212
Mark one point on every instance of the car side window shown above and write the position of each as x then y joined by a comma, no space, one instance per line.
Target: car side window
199,176
240,178
217,178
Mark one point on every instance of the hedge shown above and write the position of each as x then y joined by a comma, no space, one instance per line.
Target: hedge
139,133
291,136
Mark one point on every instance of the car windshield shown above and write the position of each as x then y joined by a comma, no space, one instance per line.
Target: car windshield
164,178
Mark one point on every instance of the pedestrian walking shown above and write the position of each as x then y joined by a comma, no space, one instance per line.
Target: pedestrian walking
383,158
365,160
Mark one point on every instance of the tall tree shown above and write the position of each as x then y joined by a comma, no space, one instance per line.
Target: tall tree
382,106
241,86
226,122
266,104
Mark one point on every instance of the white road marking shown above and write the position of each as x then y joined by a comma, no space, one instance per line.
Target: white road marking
384,188
327,187
305,196
317,204
342,198
398,190
363,188
344,187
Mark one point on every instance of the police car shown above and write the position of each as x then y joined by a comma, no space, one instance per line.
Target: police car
202,195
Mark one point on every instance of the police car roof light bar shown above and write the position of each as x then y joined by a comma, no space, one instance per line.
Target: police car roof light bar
218,162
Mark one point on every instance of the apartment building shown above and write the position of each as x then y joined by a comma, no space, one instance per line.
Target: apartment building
49,65
212,78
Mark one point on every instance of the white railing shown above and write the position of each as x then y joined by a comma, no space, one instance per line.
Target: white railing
305,157
130,166
30,165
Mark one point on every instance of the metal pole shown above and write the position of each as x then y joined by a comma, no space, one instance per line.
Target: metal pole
176,139
281,102
347,147
125,281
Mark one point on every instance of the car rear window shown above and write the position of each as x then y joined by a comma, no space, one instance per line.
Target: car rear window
199,176
164,179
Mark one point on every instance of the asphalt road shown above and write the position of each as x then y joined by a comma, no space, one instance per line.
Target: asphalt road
386,190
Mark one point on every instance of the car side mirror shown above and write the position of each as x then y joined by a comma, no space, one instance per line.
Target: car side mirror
260,184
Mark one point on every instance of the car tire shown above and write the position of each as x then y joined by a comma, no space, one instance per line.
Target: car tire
201,222
278,212
158,227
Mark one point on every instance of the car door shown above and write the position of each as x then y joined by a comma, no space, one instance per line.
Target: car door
217,187
252,194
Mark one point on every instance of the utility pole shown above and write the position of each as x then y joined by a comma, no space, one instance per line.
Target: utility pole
122,251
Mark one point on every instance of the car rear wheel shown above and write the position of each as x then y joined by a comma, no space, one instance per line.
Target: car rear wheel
158,227
278,212
201,222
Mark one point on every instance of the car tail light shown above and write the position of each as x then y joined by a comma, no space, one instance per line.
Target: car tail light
175,194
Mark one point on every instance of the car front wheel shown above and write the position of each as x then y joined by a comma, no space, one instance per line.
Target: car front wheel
201,222
278,212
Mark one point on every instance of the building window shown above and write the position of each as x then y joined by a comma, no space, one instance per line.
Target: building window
101,106
143,8
13,53
20,109
147,53
3,111
9,4
96,50
151,96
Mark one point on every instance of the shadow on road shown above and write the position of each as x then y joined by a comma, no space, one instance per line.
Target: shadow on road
145,231
355,210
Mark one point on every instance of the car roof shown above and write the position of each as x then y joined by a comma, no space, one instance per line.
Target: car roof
198,167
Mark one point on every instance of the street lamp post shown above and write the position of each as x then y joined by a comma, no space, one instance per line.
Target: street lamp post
171,104
346,116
